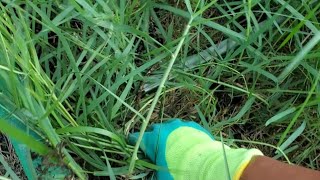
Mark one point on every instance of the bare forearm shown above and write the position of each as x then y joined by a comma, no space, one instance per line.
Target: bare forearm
265,168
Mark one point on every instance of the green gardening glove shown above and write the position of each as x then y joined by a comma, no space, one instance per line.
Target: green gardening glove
185,150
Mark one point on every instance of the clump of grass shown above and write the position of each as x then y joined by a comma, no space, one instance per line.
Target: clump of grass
85,74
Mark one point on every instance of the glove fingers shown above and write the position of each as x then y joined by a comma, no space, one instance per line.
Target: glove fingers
133,138
173,124
148,143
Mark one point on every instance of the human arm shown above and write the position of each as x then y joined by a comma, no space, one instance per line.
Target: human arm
265,168
185,150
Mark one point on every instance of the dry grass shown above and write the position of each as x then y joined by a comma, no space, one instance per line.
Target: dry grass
7,151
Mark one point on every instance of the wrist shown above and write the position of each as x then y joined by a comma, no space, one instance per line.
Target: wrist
265,168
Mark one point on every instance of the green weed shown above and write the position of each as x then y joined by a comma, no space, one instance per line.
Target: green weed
86,73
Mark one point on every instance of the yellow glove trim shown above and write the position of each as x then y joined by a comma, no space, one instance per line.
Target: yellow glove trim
240,170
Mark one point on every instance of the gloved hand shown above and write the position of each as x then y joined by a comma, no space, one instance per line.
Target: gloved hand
185,150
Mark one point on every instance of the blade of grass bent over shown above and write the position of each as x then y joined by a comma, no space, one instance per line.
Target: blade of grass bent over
293,136
297,60
23,137
296,116
155,100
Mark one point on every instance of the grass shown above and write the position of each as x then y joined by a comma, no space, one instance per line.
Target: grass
84,74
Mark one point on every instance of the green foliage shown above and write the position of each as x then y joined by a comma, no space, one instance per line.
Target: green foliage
86,71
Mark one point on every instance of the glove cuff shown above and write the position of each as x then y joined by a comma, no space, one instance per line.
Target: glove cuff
212,162
239,159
